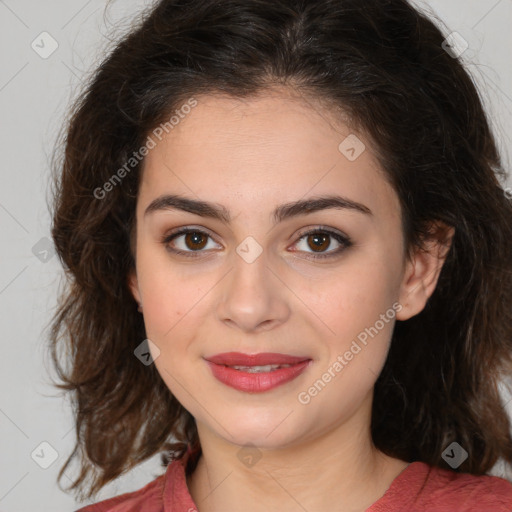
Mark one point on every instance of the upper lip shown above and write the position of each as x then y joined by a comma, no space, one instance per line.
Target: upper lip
262,359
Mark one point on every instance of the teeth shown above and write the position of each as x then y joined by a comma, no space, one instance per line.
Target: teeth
261,369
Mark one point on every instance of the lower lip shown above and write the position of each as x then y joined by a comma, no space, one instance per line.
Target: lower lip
256,382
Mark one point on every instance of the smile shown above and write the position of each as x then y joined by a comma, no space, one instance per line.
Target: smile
256,373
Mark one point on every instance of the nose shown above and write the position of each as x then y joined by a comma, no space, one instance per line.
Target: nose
253,297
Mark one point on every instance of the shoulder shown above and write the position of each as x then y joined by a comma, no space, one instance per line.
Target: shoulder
442,490
147,499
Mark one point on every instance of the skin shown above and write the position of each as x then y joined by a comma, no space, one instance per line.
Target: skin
251,156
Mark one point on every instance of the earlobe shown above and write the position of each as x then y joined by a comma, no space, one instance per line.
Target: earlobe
422,273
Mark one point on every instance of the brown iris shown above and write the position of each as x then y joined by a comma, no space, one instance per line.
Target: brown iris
197,240
321,241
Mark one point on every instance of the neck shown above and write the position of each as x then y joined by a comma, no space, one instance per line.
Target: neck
340,466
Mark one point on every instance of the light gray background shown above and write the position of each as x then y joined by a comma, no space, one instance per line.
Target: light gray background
34,96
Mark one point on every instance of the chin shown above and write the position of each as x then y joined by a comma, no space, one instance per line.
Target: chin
266,432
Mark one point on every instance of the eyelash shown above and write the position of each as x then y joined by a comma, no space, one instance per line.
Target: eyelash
343,240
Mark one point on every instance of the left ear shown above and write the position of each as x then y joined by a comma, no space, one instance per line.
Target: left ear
133,284
422,273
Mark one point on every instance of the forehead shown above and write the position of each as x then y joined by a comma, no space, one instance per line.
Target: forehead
263,151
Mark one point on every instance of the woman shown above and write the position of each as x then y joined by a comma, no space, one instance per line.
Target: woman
289,260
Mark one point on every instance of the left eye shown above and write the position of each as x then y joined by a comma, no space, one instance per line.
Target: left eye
320,239
193,241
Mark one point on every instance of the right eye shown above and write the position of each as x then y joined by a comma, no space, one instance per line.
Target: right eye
192,241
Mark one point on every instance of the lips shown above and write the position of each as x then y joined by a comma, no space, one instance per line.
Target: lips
255,373
262,359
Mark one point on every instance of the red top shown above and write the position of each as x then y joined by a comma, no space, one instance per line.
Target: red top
418,488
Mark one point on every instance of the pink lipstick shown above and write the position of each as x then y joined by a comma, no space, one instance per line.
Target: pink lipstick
255,373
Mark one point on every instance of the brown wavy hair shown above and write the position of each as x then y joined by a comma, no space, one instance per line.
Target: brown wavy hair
381,62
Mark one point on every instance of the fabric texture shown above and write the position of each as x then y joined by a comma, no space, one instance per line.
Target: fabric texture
418,488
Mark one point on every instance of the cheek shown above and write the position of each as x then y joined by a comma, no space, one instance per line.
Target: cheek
164,294
355,299
357,308
355,350
176,300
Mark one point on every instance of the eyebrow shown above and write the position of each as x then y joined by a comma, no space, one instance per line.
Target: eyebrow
282,212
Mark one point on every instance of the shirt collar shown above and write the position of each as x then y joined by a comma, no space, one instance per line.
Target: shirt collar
176,495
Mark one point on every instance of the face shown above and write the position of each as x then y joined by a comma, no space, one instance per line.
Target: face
321,287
